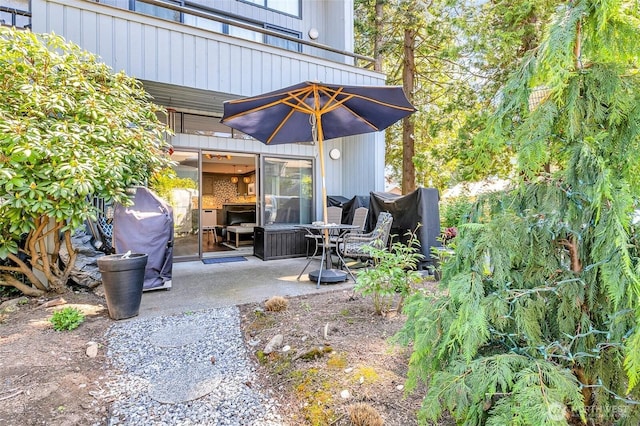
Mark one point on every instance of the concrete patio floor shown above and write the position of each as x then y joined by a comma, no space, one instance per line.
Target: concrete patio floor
197,286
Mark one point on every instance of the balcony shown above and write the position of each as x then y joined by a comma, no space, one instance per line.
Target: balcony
15,13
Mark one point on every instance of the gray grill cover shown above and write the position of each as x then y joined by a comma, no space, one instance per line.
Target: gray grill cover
146,227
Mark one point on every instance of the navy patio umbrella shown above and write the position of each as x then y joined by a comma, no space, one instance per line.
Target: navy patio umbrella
314,112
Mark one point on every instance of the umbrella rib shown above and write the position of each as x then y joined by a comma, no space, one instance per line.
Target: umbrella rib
301,106
252,110
333,104
292,94
277,129
366,98
267,96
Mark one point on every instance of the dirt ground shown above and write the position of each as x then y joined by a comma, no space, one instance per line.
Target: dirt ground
339,355
46,376
335,354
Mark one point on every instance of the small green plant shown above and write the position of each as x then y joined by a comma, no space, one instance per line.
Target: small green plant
67,319
306,306
393,275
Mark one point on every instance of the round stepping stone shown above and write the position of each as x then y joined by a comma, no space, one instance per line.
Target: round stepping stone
184,383
177,336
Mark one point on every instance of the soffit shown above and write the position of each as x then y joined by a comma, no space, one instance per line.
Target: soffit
187,98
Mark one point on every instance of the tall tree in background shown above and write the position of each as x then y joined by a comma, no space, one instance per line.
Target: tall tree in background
495,37
415,44
408,84
539,321
461,51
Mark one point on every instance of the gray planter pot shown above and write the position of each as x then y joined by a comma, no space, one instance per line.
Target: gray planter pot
123,279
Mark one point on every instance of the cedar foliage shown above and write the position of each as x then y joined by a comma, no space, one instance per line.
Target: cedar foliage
538,321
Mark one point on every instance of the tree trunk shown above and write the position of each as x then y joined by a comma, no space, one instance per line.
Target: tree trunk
379,35
408,142
11,281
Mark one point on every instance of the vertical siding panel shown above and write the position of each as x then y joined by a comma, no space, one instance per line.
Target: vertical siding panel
163,54
294,70
136,49
258,68
201,63
72,27
246,71
212,66
150,50
89,37
190,58
176,60
276,69
267,72
285,71
105,39
225,61
121,43
304,73
55,19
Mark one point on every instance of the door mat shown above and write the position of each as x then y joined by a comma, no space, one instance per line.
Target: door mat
224,260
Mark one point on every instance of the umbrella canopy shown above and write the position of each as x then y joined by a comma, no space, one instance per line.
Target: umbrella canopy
313,111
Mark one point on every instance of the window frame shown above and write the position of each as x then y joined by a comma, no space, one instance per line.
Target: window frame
264,4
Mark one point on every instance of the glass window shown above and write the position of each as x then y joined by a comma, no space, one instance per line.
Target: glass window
199,22
290,7
245,34
160,12
287,190
280,42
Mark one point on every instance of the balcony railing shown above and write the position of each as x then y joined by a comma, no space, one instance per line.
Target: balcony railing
230,20
12,17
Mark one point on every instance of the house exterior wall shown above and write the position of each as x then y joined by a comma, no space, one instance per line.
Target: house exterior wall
169,53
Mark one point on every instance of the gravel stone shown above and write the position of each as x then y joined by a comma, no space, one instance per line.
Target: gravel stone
164,374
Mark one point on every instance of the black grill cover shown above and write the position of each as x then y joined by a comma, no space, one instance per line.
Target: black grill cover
349,208
336,200
420,206
146,227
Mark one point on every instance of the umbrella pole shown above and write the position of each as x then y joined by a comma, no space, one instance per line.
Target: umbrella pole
325,215
317,122
318,135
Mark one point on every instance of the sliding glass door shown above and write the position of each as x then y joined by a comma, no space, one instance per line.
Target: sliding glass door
287,190
181,191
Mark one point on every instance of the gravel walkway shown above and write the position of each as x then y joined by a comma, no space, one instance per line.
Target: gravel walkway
189,369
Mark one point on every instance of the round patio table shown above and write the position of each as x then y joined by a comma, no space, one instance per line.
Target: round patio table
327,274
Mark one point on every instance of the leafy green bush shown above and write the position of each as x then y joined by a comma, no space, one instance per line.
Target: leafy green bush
166,180
70,128
454,211
67,319
393,274
538,318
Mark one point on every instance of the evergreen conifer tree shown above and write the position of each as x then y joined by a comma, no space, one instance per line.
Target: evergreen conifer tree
538,321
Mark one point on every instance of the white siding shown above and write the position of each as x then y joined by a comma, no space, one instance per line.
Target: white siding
162,51
153,49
